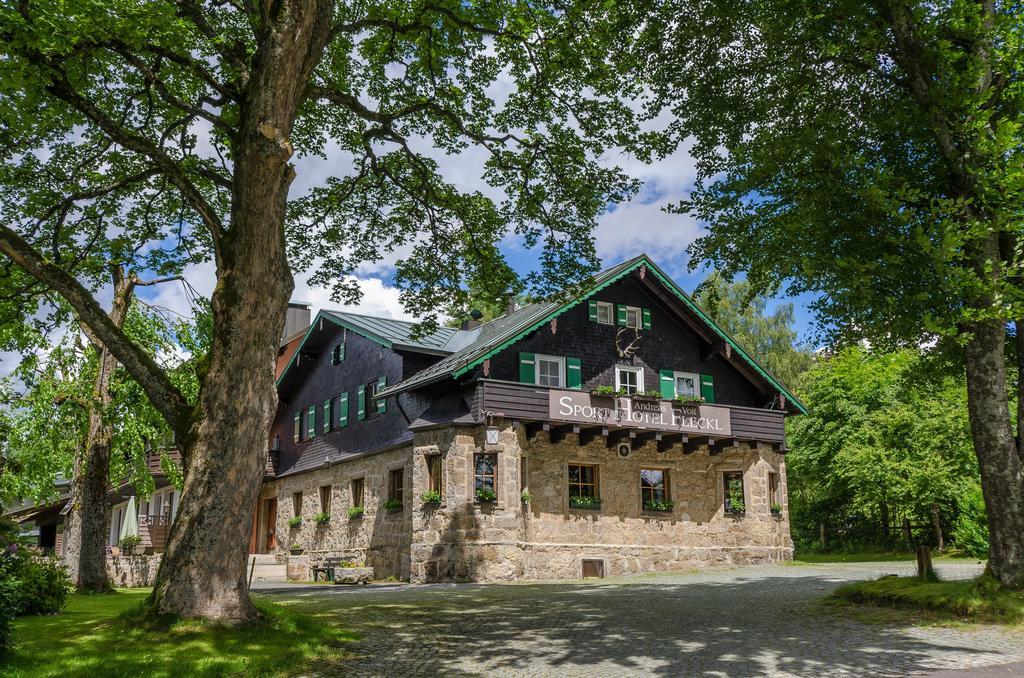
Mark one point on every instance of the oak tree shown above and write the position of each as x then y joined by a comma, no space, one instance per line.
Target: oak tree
869,153
155,135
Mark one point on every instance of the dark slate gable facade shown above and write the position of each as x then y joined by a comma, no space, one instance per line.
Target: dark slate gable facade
468,415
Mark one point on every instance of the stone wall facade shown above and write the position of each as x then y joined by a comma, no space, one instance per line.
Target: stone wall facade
379,538
133,571
461,539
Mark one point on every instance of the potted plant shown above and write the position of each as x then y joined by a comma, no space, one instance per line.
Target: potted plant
295,521
646,395
689,399
393,505
658,505
524,497
486,495
296,549
431,497
128,544
355,512
322,518
585,502
777,510
605,392
737,506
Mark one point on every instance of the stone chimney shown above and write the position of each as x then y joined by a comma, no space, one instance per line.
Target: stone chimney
472,320
510,304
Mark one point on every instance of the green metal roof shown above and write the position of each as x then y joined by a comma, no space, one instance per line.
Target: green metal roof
500,333
391,332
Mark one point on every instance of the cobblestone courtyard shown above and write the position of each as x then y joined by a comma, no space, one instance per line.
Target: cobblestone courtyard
755,621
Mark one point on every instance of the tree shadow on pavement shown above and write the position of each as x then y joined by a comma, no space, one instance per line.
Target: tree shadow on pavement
743,627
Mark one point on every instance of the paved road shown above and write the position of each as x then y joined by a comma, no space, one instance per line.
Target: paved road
754,621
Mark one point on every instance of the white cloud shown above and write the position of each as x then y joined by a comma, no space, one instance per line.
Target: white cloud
637,227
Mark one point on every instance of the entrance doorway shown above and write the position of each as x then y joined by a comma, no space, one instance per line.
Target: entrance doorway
270,515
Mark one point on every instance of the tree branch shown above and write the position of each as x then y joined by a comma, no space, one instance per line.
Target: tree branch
164,395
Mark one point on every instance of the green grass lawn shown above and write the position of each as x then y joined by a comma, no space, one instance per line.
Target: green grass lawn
974,600
102,635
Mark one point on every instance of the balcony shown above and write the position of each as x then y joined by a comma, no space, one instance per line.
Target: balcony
559,412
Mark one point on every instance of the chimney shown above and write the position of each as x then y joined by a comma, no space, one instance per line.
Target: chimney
297,318
510,304
472,321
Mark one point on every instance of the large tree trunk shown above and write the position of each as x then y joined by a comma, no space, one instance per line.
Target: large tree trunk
203,570
88,523
1002,475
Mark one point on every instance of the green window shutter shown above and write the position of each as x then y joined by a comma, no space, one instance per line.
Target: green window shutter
327,415
573,373
527,369
620,315
707,388
361,403
592,309
668,384
311,422
382,403
297,431
343,410
647,318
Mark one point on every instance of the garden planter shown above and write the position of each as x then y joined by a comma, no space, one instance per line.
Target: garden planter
353,575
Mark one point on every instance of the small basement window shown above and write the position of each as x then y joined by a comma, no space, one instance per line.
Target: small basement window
629,379
550,371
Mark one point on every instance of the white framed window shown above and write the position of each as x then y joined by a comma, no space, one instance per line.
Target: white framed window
686,384
605,313
629,379
550,371
634,317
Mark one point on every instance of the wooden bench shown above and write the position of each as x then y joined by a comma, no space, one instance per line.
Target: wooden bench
327,568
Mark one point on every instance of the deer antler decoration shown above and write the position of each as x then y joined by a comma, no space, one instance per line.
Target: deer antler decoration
632,347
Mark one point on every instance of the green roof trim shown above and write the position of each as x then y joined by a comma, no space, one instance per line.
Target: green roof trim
548,318
629,267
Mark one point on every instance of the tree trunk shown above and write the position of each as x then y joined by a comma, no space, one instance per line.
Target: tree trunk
886,538
937,524
203,569
88,523
1002,474
907,534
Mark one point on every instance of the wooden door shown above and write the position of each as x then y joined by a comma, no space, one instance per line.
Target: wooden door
272,524
593,568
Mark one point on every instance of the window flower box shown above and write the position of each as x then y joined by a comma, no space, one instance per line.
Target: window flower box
647,396
296,549
393,505
486,495
590,503
356,512
295,521
776,510
686,399
322,518
607,392
658,506
431,497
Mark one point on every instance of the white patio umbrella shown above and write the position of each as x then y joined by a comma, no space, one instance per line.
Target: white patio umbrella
130,524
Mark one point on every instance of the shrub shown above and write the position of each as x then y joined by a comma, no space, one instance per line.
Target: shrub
393,505
295,521
585,502
486,495
356,512
33,583
8,601
322,518
431,497
129,543
970,530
